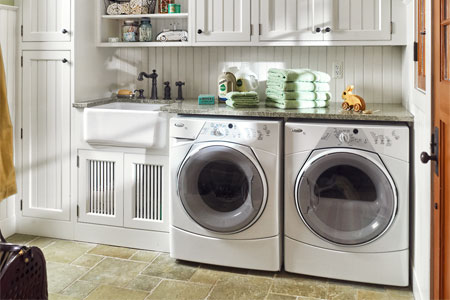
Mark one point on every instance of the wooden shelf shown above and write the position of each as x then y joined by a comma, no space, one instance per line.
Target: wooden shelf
151,16
143,44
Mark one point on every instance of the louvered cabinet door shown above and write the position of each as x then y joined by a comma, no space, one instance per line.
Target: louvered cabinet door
146,192
291,20
46,106
222,20
100,187
357,20
46,20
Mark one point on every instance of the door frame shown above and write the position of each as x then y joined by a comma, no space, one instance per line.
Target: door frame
438,242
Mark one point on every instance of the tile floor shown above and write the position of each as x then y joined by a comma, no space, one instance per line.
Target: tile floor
88,271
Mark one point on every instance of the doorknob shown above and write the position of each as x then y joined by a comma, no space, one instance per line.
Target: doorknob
64,61
327,30
425,157
65,31
434,145
199,31
318,29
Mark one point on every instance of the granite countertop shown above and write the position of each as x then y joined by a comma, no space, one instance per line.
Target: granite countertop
381,112
96,102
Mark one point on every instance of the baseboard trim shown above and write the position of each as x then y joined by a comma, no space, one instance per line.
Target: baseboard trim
8,226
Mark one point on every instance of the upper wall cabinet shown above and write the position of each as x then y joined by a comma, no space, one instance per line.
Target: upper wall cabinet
46,20
335,20
357,20
222,21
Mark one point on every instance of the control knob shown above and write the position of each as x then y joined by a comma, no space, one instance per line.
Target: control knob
344,137
219,132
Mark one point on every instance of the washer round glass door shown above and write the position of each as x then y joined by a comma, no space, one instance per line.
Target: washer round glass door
346,198
222,187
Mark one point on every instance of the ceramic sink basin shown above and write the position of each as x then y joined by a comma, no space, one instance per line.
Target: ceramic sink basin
126,125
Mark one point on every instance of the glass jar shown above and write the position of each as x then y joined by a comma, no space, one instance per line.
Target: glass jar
145,30
130,31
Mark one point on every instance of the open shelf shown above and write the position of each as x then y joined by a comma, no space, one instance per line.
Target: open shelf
143,44
151,16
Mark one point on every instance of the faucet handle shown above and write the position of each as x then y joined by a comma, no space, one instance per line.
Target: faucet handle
141,93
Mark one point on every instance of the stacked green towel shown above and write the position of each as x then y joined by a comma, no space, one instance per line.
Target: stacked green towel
297,88
294,104
298,75
300,96
240,100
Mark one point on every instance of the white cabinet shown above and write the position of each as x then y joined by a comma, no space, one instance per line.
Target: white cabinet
222,20
46,20
100,179
328,20
291,20
357,20
46,134
146,192
125,190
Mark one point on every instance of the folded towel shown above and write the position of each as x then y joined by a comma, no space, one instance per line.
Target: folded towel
242,96
292,104
298,75
237,104
299,96
299,86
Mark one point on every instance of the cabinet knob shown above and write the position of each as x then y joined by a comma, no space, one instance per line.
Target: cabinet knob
64,61
318,29
199,31
65,31
328,29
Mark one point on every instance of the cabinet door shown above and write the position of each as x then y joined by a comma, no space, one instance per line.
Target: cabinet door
291,20
100,187
46,20
146,192
357,20
222,20
46,134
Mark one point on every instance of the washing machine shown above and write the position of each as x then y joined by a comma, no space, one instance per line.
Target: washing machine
226,205
347,201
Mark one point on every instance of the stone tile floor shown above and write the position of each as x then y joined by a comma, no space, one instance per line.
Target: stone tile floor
79,270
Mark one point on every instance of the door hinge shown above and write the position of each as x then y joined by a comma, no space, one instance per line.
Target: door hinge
260,29
78,161
78,211
21,30
392,27
251,29
21,204
21,61
21,133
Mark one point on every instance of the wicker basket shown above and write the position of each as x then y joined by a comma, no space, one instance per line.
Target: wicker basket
130,7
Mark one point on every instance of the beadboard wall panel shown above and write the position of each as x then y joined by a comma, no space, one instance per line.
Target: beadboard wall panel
376,72
8,43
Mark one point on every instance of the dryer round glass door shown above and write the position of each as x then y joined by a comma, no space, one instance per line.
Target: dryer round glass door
222,188
346,198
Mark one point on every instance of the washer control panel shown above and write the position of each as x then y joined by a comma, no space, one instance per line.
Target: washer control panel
236,131
345,137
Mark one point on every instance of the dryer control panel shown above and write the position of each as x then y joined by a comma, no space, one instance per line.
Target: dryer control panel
392,140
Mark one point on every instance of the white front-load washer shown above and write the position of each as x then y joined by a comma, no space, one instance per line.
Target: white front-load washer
347,202
226,203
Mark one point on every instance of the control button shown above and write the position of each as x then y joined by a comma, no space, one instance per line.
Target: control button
344,137
355,131
230,126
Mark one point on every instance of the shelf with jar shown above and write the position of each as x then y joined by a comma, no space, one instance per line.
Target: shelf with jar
151,25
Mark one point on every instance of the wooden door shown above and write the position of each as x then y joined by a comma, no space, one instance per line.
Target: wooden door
357,20
291,20
222,20
441,179
46,107
100,187
46,20
146,192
